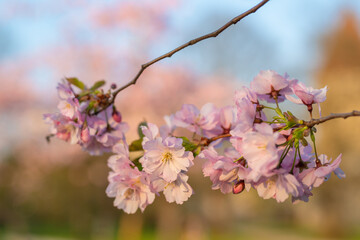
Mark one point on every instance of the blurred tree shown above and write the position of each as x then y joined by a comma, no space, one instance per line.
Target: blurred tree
340,71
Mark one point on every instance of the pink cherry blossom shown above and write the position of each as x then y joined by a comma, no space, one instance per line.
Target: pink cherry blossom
85,135
103,135
63,127
269,156
130,187
179,190
259,150
327,167
309,179
64,91
302,197
131,190
318,173
69,108
150,132
204,122
223,171
168,129
165,157
279,186
246,93
120,160
307,156
116,115
246,114
269,85
307,95
227,117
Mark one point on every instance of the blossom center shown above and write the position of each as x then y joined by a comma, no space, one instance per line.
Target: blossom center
167,156
262,146
68,106
128,193
270,183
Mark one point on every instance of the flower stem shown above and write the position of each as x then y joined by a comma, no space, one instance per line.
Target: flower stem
277,103
285,152
312,136
297,150
269,107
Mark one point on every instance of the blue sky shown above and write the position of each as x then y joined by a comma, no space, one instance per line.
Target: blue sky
291,30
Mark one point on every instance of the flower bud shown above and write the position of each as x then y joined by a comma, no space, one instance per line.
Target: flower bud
85,135
113,86
239,187
304,142
116,116
258,120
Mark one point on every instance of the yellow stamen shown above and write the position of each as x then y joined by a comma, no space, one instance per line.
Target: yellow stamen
167,156
128,193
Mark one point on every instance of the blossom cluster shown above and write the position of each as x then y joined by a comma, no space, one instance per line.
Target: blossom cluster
164,166
251,144
75,121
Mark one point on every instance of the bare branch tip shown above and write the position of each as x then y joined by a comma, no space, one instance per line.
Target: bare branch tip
192,42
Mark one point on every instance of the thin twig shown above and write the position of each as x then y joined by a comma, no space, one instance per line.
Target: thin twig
189,43
309,124
207,141
314,122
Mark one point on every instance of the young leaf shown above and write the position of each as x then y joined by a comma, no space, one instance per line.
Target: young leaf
137,163
76,82
197,151
97,85
84,93
278,111
136,145
188,145
90,106
141,135
312,135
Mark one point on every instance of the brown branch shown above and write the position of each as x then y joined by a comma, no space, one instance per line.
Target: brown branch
207,141
314,122
189,43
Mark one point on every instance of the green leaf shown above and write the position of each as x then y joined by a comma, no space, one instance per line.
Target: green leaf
278,111
90,106
197,151
296,143
48,137
298,133
188,145
141,135
137,163
84,93
136,145
304,142
312,135
290,124
97,85
76,82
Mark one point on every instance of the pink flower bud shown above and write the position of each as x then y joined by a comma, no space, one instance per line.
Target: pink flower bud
116,116
85,135
239,187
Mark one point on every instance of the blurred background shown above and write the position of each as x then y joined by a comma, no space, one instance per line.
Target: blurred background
55,191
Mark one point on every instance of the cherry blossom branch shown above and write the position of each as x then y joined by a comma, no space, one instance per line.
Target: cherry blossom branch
309,124
314,122
207,141
185,45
